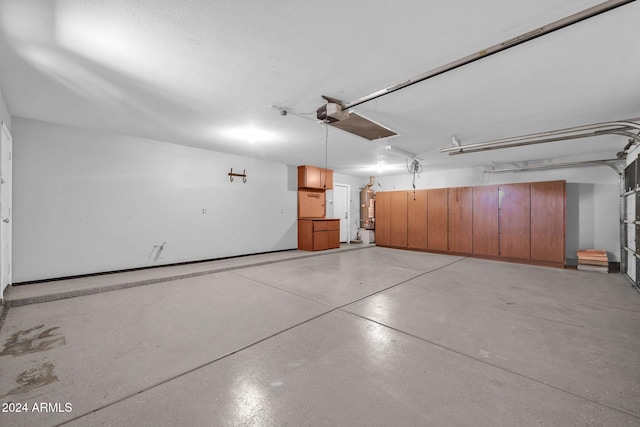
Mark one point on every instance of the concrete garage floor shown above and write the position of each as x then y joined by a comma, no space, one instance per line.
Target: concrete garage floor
364,337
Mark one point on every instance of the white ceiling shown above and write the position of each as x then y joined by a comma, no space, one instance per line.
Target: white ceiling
197,72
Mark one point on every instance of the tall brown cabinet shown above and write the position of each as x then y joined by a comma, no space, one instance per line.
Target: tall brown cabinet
547,221
522,222
485,221
460,220
438,220
417,227
514,204
383,218
399,220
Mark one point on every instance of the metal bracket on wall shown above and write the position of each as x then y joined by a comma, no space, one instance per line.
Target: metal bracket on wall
243,175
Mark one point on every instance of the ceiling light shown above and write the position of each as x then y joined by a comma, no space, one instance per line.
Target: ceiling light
399,152
249,134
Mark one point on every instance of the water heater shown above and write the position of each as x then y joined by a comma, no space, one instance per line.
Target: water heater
367,206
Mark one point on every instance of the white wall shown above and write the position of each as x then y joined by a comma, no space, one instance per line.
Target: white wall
592,199
5,116
87,202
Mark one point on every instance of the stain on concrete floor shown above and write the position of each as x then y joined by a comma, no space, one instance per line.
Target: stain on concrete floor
34,378
32,340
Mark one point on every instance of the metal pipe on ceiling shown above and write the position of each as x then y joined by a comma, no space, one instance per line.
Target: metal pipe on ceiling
565,22
621,127
633,137
605,162
465,150
400,152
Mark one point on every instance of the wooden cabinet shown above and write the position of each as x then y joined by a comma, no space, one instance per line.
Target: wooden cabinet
438,220
548,221
485,220
314,177
399,219
417,219
461,220
318,234
326,179
311,204
515,220
333,237
383,218
315,232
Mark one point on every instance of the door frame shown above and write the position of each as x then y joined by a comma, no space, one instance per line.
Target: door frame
6,149
348,218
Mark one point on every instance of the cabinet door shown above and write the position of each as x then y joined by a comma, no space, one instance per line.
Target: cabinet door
399,219
326,179
548,221
305,235
485,220
417,219
314,177
311,204
383,219
333,238
515,220
461,220
320,240
308,177
438,219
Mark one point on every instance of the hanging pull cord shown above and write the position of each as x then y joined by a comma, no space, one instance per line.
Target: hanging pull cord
414,168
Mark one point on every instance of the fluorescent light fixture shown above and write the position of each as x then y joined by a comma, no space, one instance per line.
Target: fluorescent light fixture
399,152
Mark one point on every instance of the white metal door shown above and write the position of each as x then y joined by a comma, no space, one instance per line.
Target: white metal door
5,207
341,209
